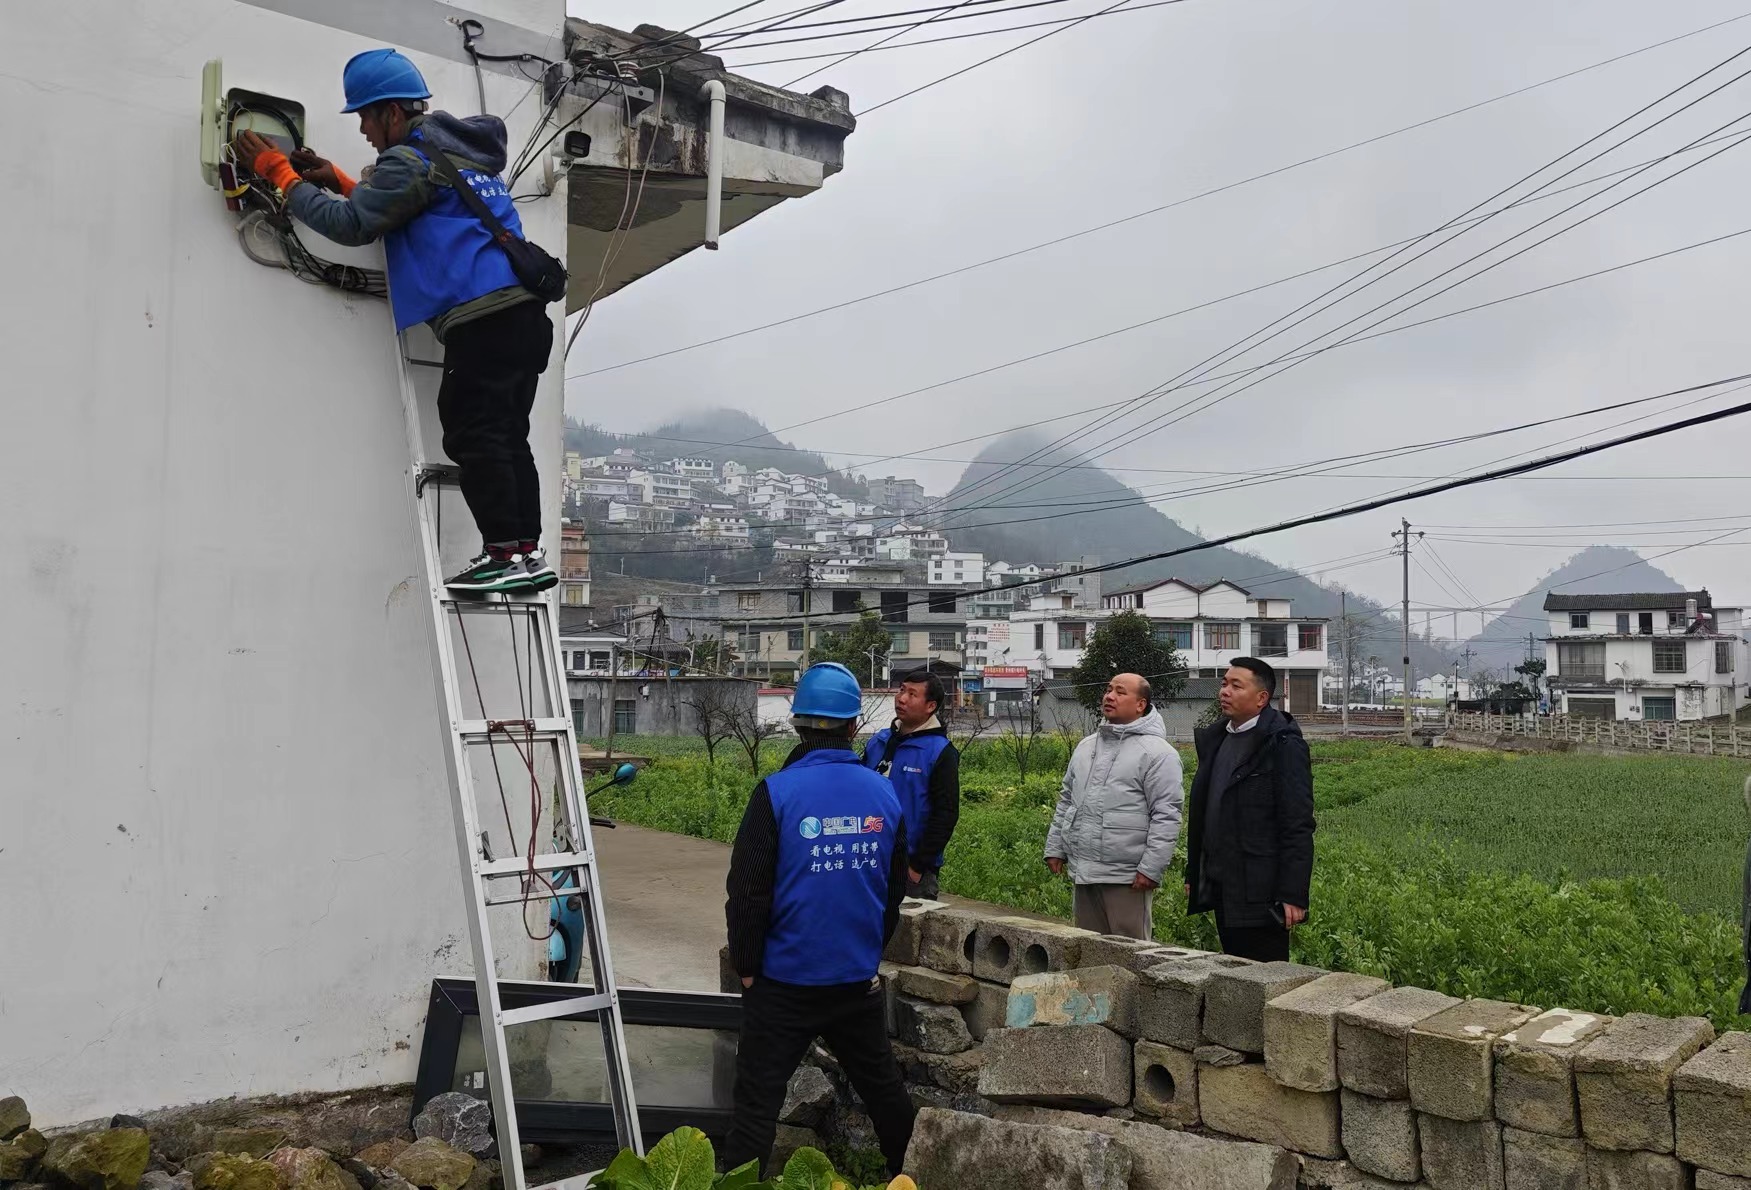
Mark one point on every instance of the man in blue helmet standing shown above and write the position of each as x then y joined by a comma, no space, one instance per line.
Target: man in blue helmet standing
815,885
445,269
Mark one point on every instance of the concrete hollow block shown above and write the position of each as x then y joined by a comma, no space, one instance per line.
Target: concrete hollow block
1708,1179
1461,1154
1713,1099
1166,1084
1005,947
1623,1080
1171,1010
1133,954
946,941
1535,1071
988,1010
972,1152
1244,1101
1451,1057
1072,1066
1534,1161
938,987
903,947
1301,1029
1374,1039
1380,1136
1611,1170
1083,996
1235,998
1166,1159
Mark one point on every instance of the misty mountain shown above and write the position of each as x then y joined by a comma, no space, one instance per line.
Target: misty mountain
1595,570
1044,527
721,435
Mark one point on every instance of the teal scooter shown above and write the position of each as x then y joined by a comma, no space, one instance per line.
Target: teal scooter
566,918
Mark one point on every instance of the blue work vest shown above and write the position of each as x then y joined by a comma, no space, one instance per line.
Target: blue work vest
836,827
909,767
444,256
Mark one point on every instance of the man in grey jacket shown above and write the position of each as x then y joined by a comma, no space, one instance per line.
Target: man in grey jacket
1118,813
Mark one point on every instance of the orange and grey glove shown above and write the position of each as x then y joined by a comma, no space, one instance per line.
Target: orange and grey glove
272,165
265,160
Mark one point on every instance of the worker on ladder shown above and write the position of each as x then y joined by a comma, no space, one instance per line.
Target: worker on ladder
445,269
815,884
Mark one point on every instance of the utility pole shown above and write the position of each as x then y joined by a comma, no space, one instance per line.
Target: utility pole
1349,647
808,577
613,684
1404,536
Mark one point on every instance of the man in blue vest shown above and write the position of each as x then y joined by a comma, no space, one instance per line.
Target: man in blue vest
445,270
915,754
815,884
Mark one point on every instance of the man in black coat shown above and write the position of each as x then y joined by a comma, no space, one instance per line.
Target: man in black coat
1249,839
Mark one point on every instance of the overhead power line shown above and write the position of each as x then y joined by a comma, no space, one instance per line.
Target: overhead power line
1014,49
942,15
1351,510
1250,370
1155,210
1247,479
1335,295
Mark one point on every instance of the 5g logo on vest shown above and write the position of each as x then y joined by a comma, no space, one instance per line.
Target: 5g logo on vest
814,828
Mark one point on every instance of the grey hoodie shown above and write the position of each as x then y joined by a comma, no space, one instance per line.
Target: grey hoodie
1119,808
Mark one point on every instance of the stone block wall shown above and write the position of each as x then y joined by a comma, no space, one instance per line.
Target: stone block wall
1156,1068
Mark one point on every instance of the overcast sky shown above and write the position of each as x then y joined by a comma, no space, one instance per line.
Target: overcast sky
1132,111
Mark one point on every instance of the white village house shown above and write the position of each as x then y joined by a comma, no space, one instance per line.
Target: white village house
1659,656
1212,624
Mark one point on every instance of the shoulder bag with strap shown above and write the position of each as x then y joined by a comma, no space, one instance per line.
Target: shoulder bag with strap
537,269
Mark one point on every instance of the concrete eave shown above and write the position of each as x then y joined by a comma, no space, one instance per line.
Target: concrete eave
780,145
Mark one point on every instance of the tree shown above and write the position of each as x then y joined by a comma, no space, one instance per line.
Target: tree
1021,729
862,647
751,732
712,654
714,708
1532,670
1126,644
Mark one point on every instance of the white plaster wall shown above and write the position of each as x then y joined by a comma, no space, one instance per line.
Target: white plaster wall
227,865
1225,602
1169,601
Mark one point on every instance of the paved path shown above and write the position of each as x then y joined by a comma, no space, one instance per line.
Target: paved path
666,906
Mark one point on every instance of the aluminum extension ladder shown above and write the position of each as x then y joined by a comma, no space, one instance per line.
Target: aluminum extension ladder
507,880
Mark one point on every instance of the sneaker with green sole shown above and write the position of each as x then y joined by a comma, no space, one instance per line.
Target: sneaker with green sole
540,574
486,574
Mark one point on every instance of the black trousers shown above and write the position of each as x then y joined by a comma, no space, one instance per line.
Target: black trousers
491,368
1266,944
779,1021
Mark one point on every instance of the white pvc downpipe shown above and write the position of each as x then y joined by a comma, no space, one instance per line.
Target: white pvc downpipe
714,162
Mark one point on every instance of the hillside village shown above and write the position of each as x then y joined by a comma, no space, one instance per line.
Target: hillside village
1002,633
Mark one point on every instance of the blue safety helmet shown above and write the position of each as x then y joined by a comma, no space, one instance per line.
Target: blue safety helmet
827,690
376,75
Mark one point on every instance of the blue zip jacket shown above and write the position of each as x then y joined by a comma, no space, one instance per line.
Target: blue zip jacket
925,770
439,255
838,825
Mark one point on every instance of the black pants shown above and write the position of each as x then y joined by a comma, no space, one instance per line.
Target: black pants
779,1021
491,368
1266,944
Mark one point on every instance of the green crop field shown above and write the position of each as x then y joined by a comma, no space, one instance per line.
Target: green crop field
1601,883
